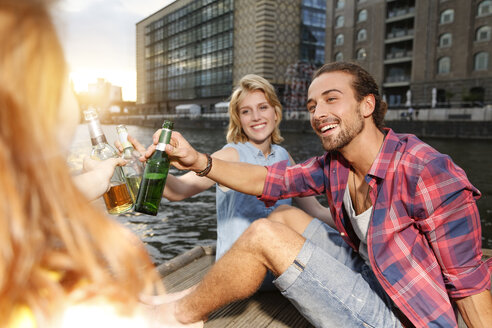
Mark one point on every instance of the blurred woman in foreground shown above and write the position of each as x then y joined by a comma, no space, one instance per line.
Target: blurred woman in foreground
62,262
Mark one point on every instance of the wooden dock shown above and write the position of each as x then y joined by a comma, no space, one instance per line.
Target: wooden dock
265,309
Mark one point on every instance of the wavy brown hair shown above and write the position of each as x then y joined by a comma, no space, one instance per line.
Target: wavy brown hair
47,224
247,84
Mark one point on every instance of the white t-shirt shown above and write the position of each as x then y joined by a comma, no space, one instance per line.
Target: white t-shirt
360,223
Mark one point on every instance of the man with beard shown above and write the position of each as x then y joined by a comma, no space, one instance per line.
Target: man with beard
404,245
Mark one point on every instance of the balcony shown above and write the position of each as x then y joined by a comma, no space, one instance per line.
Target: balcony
396,81
399,35
398,57
399,14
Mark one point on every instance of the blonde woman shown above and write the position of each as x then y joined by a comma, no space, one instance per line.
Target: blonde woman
62,262
253,136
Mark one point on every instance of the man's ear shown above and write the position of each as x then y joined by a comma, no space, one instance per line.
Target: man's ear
367,105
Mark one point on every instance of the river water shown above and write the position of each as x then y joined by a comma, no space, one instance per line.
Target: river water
180,226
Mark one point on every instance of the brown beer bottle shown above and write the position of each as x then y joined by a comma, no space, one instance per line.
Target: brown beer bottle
117,199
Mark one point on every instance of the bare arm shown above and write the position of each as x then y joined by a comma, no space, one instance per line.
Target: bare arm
95,181
189,184
311,206
476,310
181,187
243,177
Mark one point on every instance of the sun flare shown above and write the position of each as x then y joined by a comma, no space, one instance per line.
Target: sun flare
126,79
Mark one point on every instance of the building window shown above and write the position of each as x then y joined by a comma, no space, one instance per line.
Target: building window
444,65
445,40
483,33
362,35
313,18
320,4
447,16
362,17
339,40
361,54
484,8
340,4
338,56
481,61
339,21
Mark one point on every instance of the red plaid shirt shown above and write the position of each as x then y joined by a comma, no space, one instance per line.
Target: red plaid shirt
424,238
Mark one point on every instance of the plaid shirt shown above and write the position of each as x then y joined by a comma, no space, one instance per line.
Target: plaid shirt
424,238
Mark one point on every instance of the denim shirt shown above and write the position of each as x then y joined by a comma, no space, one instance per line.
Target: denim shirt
235,210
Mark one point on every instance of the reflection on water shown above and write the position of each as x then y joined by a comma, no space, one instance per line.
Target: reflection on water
180,226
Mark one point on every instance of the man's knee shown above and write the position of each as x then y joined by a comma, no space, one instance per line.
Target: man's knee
293,217
260,229
280,214
263,233
273,243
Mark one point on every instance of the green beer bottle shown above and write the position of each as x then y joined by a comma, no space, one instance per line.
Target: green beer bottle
155,174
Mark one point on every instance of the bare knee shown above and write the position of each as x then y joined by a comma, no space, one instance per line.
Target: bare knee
261,234
281,214
261,229
291,216
272,243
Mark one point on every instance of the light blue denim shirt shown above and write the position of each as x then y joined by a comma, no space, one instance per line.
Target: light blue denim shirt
235,210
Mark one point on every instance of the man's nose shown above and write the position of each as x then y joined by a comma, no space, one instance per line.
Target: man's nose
320,111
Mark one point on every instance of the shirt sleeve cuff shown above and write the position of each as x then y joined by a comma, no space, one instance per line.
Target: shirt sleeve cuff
274,182
472,282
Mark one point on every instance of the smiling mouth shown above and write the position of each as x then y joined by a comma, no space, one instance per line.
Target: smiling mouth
259,126
328,127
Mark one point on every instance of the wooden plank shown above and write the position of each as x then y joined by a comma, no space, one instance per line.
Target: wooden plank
188,275
264,309
184,259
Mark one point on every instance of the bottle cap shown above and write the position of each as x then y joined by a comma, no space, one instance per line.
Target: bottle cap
90,114
167,125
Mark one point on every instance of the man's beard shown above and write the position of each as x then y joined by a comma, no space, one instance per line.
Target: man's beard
346,135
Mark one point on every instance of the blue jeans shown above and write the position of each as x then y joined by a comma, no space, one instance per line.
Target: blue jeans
332,286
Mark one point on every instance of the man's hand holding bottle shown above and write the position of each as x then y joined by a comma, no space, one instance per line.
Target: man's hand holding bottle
182,155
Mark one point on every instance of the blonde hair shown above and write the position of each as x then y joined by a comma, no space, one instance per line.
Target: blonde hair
247,84
47,224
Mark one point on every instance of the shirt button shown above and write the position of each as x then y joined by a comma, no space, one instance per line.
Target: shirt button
342,234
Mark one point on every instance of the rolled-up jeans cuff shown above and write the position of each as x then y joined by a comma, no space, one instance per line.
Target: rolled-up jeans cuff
286,279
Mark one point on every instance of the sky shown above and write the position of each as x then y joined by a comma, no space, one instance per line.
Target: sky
98,37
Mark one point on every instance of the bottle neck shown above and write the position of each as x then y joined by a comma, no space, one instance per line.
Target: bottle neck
123,137
96,133
128,151
164,139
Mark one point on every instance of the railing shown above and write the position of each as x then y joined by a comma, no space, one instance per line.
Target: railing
399,54
399,34
397,78
422,112
472,114
400,12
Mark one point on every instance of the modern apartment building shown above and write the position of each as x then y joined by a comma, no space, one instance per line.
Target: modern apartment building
423,53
